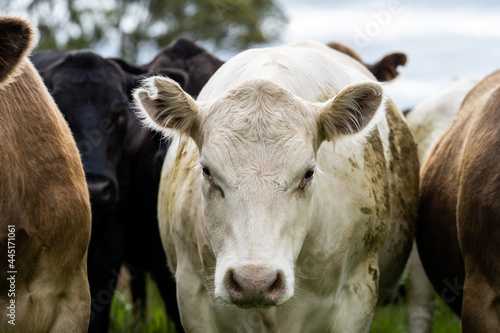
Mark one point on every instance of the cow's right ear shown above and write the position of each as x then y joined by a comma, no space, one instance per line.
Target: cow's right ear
350,111
164,106
16,36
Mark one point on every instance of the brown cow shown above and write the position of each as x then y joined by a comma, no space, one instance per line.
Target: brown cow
44,207
458,228
384,70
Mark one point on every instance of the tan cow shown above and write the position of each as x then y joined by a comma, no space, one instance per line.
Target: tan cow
283,181
459,210
44,203
428,121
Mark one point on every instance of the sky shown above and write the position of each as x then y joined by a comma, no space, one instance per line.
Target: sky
442,39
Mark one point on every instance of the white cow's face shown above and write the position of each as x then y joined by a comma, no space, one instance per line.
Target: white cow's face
257,167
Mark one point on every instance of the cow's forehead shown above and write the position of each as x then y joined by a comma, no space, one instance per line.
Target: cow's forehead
259,110
244,162
244,158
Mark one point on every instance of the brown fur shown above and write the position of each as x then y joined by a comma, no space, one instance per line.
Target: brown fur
386,69
459,211
43,193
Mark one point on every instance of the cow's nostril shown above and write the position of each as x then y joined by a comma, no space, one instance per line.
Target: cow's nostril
233,286
277,286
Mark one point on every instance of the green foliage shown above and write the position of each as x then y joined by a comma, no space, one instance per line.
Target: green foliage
132,24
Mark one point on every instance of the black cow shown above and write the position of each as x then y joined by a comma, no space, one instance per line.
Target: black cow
182,54
192,66
144,251
92,93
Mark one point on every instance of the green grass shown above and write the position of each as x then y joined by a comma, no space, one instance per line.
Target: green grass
123,318
392,319
388,319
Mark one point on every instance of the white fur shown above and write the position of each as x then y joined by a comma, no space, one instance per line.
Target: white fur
258,136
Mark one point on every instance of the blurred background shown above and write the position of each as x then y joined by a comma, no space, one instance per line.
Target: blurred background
443,39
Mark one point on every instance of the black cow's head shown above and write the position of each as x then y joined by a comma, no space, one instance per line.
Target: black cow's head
184,61
92,93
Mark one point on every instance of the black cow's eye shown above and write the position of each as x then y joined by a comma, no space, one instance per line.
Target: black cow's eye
122,116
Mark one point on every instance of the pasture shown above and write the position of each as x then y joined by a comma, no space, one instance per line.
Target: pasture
257,151
388,319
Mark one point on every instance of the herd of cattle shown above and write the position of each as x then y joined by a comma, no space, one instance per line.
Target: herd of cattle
279,191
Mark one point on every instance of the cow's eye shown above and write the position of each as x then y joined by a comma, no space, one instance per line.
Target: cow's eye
206,172
309,174
122,117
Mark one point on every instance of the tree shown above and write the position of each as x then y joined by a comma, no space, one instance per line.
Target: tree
129,25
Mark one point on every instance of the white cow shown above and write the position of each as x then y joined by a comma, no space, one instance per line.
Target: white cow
280,187
427,121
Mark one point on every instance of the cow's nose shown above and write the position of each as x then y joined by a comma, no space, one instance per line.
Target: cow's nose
101,191
254,286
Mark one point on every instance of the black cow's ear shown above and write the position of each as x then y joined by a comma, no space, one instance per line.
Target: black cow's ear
133,73
178,75
16,37
47,71
128,67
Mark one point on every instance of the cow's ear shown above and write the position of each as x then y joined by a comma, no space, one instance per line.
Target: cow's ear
345,49
350,111
128,67
164,106
16,36
387,68
178,75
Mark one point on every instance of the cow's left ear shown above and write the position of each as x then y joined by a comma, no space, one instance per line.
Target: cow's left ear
350,111
387,68
164,106
16,38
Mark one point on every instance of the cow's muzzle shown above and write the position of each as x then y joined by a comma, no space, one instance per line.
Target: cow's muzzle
255,286
103,190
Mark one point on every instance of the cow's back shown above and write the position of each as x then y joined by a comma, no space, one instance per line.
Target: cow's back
44,197
461,164
478,210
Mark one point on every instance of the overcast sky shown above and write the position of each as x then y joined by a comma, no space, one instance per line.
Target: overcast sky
443,39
